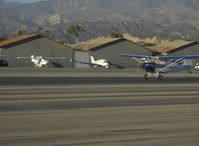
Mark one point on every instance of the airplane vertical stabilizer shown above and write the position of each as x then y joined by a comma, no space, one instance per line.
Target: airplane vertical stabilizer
93,60
188,62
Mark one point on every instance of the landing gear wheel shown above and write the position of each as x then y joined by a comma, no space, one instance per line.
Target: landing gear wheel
160,77
190,71
146,77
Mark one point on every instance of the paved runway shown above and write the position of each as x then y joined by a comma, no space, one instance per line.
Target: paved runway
97,107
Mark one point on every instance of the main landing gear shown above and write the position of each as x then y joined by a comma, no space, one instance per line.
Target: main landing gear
159,77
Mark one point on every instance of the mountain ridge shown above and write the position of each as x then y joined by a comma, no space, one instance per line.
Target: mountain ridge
162,18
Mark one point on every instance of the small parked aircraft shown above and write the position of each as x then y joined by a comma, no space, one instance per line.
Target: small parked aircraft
101,63
40,61
155,65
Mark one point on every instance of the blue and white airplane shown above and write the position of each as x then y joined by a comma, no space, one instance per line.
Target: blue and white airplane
155,65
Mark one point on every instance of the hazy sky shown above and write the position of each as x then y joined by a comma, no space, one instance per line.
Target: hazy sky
23,1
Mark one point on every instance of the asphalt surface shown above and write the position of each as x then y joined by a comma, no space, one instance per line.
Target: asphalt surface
97,107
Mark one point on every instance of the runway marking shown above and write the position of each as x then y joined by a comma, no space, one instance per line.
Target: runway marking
96,86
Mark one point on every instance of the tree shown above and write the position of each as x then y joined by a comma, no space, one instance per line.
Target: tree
148,44
40,29
63,42
79,28
47,33
44,32
74,30
22,32
2,38
116,34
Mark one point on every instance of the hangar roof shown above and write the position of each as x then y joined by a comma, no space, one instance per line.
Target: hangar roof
169,46
90,44
16,39
21,39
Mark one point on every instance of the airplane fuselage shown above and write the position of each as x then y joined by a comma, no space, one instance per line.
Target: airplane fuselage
149,67
154,67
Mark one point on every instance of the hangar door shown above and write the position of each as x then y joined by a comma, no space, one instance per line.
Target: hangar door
81,58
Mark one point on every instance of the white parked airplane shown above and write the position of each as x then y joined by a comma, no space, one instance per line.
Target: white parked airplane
101,63
153,65
40,61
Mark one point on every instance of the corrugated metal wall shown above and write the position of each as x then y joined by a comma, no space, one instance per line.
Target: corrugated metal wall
38,47
112,51
192,49
81,58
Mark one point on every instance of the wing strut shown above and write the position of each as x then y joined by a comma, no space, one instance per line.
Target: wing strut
171,64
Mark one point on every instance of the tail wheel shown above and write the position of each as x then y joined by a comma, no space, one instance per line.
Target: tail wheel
146,77
160,77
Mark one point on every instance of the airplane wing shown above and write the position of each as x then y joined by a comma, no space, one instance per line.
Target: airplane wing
118,65
87,63
160,57
138,58
47,58
135,56
54,58
178,57
23,57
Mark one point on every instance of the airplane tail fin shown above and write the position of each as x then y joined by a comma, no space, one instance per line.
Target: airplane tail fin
92,59
32,56
33,59
188,62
